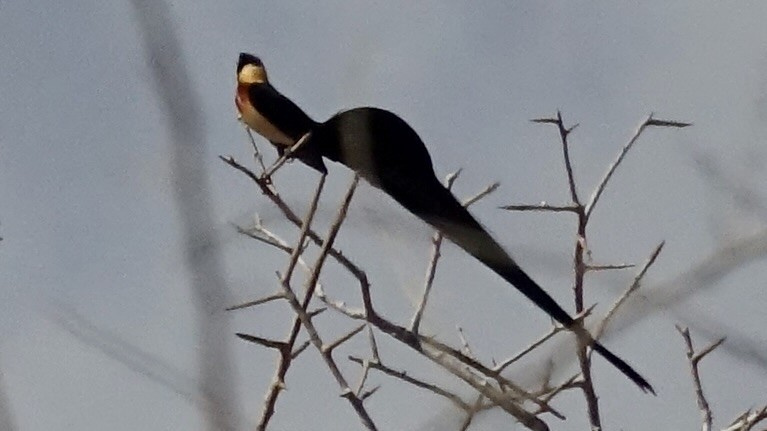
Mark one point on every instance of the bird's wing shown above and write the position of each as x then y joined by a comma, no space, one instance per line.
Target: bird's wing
280,111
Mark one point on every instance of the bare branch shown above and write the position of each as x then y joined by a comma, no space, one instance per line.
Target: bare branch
363,375
648,122
278,381
705,410
405,377
610,267
264,300
481,194
667,123
543,206
472,413
272,344
267,175
256,153
437,238
291,216
563,134
553,331
330,347
265,239
294,354
431,269
634,286
304,319
748,420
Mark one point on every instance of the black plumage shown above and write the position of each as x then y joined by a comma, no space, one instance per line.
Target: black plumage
384,150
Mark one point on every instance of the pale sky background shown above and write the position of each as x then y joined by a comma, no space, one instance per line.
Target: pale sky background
89,220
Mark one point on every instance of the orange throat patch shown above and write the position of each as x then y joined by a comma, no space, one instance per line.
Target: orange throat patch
253,119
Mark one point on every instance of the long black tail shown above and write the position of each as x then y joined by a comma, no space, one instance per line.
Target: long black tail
389,154
437,206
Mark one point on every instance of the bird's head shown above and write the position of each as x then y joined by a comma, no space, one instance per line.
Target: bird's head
250,70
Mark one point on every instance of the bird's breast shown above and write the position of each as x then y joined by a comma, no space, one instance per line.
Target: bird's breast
256,121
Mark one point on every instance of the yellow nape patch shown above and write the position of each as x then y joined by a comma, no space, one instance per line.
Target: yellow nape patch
252,74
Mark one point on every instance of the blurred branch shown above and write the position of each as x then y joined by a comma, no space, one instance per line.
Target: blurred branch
177,94
132,357
7,420
699,277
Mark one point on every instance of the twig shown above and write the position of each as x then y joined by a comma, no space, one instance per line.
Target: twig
291,216
747,420
648,122
554,330
403,375
570,383
346,337
271,344
300,307
609,267
694,359
481,194
363,375
264,300
440,353
563,134
327,350
266,240
443,355
581,250
456,363
579,268
472,413
543,206
437,238
267,175
256,153
465,347
634,286
431,269
286,354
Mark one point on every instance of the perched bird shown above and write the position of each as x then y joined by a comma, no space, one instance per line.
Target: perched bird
270,114
385,151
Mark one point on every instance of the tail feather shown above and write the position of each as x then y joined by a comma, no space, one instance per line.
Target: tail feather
458,225
625,368
387,152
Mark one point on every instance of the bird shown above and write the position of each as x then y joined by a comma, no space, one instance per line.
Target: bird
387,152
270,114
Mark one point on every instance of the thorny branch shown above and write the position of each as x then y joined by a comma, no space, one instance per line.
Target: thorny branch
581,252
695,358
493,388
746,421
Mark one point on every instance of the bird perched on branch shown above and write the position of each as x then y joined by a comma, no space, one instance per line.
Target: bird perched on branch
270,114
384,150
